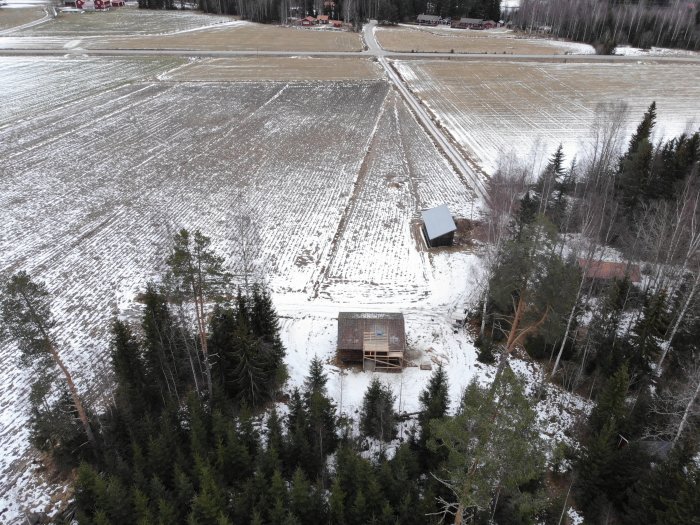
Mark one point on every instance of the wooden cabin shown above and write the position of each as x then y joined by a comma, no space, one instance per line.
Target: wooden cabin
375,339
468,23
438,226
428,20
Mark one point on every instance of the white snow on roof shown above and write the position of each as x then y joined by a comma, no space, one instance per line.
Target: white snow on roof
438,221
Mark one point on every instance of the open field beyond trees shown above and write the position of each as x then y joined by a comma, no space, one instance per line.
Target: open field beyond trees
13,17
446,40
130,28
493,109
276,69
125,21
243,36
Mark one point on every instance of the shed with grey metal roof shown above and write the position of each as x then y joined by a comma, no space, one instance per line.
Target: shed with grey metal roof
438,226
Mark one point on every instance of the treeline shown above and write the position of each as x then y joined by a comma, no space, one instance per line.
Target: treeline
608,23
351,11
567,248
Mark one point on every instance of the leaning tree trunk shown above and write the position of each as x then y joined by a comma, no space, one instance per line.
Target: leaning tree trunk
82,414
77,402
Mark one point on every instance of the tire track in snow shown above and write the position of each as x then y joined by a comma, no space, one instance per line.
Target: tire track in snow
350,206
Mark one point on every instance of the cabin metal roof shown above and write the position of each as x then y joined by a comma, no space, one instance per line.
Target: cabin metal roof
353,325
438,221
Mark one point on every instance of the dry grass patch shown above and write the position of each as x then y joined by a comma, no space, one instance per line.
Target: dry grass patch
244,36
446,40
124,21
11,17
277,68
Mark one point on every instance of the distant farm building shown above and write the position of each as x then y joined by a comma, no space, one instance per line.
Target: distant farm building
375,339
438,226
308,21
323,19
468,23
428,20
608,271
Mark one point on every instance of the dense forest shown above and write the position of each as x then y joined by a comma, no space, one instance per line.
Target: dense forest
607,23
352,11
201,428
602,23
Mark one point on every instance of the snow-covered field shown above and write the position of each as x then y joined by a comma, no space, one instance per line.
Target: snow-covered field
334,174
496,108
443,39
654,51
131,28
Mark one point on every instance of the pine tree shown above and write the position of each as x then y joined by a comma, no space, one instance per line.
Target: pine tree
550,186
275,437
210,501
493,442
263,317
199,277
166,512
25,312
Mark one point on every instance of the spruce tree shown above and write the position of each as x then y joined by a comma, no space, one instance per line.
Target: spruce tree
434,402
377,416
168,362
635,171
669,493
133,395
611,407
648,333
278,500
300,497
320,413
337,503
